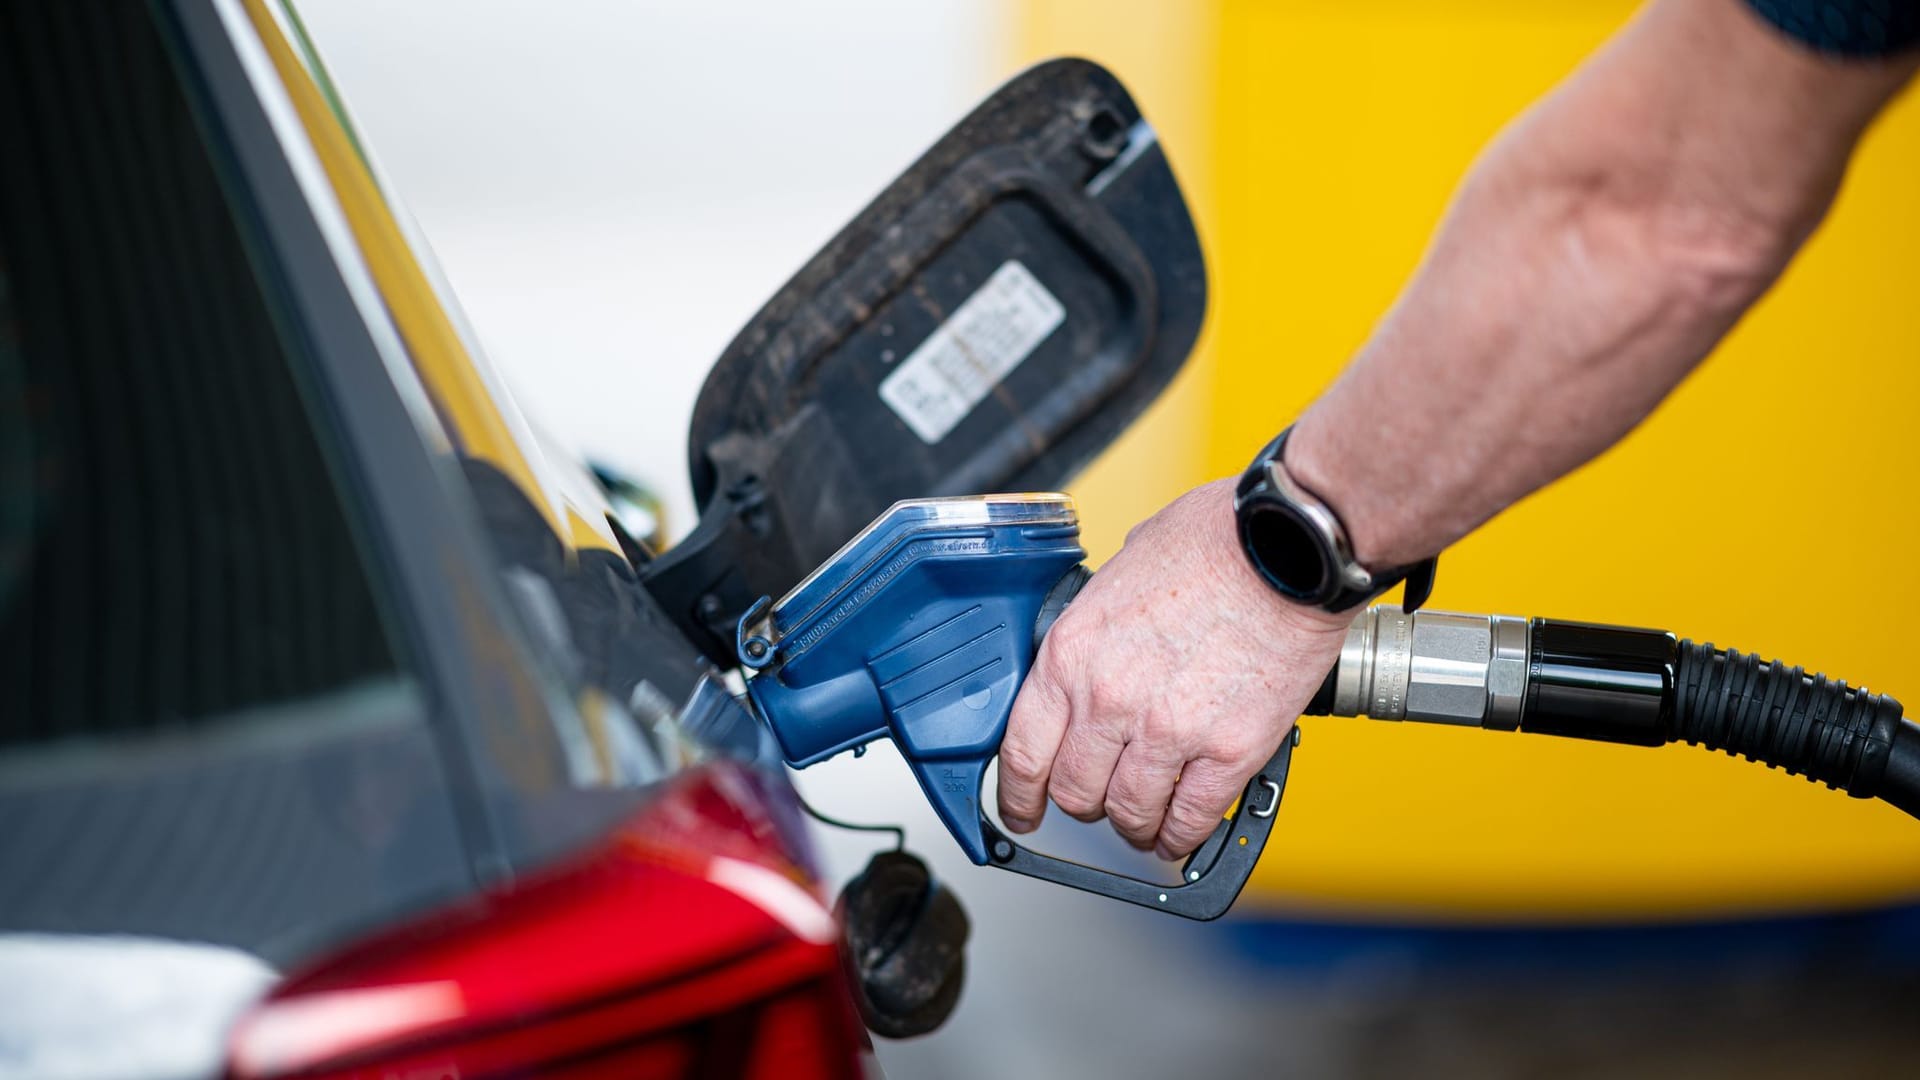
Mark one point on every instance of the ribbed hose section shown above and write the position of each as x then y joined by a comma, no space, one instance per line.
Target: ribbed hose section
1763,710
1901,784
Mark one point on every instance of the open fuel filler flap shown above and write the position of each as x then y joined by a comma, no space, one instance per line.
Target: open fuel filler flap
989,323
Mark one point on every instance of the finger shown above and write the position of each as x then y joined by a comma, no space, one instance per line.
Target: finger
1138,794
1088,752
1201,800
1027,751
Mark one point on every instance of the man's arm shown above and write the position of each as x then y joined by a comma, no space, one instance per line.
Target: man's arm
1598,250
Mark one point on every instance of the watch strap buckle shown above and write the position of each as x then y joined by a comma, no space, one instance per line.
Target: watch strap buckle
1420,577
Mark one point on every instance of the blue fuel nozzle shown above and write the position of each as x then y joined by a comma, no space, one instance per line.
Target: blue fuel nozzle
921,629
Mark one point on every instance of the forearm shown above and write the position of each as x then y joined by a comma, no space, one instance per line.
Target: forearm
1598,251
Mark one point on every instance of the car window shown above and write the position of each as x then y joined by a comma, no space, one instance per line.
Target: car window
589,623
208,731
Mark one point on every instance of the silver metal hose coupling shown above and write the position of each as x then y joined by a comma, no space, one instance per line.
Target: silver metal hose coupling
1442,667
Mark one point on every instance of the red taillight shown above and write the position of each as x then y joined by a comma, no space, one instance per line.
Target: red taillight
676,949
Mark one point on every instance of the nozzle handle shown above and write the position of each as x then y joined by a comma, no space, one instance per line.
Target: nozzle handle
1057,599
1212,876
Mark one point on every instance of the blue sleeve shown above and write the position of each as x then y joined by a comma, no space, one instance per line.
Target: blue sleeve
1859,28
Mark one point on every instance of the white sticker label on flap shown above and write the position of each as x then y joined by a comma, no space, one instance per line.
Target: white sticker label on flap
961,362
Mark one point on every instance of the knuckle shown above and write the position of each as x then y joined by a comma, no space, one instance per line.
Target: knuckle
1130,800
1216,794
1106,709
1188,821
1074,801
1160,728
1130,819
1019,761
1043,690
1062,655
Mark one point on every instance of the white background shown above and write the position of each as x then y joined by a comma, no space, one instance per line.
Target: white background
615,187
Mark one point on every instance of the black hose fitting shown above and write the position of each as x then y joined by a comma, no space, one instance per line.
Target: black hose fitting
1604,683
1625,685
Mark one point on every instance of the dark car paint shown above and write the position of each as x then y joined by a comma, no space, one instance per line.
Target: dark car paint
476,671
202,699
288,824
496,695
471,773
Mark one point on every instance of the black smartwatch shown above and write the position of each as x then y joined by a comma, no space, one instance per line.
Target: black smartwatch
1298,545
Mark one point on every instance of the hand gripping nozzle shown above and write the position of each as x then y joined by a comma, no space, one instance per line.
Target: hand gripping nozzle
921,629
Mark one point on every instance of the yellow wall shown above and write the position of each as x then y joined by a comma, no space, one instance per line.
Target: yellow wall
1321,140
1163,51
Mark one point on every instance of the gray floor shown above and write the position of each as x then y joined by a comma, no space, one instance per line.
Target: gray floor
1065,985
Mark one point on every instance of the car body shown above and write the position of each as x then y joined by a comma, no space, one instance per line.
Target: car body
347,730
338,719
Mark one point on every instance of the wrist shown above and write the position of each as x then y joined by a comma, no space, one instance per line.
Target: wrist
1311,619
1300,546
1382,519
1228,558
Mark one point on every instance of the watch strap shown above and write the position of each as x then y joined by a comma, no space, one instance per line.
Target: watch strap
1419,576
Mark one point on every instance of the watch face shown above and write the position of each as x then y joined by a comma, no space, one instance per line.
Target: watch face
1287,550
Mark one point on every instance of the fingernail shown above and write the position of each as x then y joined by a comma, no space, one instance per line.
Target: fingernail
1016,824
1165,853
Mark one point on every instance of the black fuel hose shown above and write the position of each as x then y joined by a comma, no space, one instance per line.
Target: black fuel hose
1626,685
1829,732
